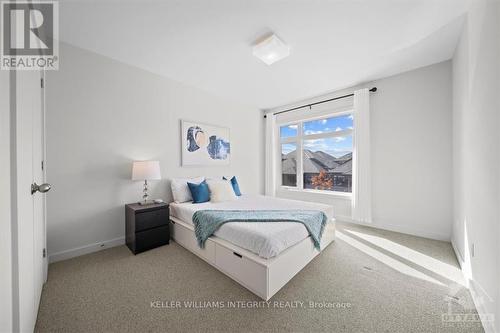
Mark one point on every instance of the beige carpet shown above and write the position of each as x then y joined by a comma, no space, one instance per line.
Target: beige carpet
373,281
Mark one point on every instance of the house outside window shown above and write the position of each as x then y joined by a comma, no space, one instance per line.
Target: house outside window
316,154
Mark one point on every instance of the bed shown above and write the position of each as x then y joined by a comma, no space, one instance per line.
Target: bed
261,256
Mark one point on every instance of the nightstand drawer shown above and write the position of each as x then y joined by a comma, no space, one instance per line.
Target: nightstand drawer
151,219
152,238
146,227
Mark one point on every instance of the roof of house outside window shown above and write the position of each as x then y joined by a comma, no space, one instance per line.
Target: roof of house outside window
314,162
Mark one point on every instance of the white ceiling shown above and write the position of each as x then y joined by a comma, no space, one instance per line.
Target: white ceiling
208,44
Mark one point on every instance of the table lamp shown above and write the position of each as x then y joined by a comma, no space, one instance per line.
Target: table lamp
145,170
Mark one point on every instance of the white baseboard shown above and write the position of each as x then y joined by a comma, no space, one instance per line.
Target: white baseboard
483,302
479,295
398,228
459,255
86,249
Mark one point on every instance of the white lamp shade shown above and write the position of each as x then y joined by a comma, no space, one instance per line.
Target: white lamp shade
146,170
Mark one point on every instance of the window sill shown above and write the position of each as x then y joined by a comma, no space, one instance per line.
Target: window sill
338,195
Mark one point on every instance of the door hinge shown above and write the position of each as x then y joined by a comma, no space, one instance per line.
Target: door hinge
44,253
42,83
42,165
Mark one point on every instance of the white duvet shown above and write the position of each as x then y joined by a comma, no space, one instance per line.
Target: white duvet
263,238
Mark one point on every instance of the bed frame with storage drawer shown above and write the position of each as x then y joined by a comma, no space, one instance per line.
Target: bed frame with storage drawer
263,277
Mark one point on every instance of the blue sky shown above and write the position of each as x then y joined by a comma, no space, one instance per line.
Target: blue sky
336,146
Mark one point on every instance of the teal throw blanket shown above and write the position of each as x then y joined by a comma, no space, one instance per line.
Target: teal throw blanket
206,222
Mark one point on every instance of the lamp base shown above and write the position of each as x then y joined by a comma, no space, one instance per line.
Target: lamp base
145,201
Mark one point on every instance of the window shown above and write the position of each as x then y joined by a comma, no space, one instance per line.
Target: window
288,131
317,154
289,164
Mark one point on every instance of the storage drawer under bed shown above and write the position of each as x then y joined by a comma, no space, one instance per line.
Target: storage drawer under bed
242,269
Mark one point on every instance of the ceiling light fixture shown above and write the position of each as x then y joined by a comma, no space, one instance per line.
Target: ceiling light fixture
271,49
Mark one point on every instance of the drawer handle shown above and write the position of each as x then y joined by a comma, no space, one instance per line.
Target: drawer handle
237,254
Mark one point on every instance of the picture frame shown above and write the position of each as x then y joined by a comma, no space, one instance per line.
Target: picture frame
204,144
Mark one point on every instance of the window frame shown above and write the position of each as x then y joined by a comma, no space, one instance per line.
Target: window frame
299,142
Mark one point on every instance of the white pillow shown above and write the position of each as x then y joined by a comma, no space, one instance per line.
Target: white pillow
180,189
221,190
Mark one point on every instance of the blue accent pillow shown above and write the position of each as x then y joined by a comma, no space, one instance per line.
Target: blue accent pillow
236,187
199,192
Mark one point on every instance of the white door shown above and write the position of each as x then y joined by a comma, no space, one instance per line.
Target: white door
30,206
39,197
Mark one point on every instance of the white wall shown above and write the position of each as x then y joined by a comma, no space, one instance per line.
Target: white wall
411,132
5,207
476,140
102,115
411,152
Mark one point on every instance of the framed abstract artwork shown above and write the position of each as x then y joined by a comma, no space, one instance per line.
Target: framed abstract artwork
204,144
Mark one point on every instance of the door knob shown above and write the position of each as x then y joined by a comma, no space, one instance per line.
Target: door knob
40,188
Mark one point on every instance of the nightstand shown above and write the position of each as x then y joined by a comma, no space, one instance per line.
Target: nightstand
146,227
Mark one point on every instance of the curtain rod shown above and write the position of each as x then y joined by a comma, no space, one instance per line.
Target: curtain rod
374,89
